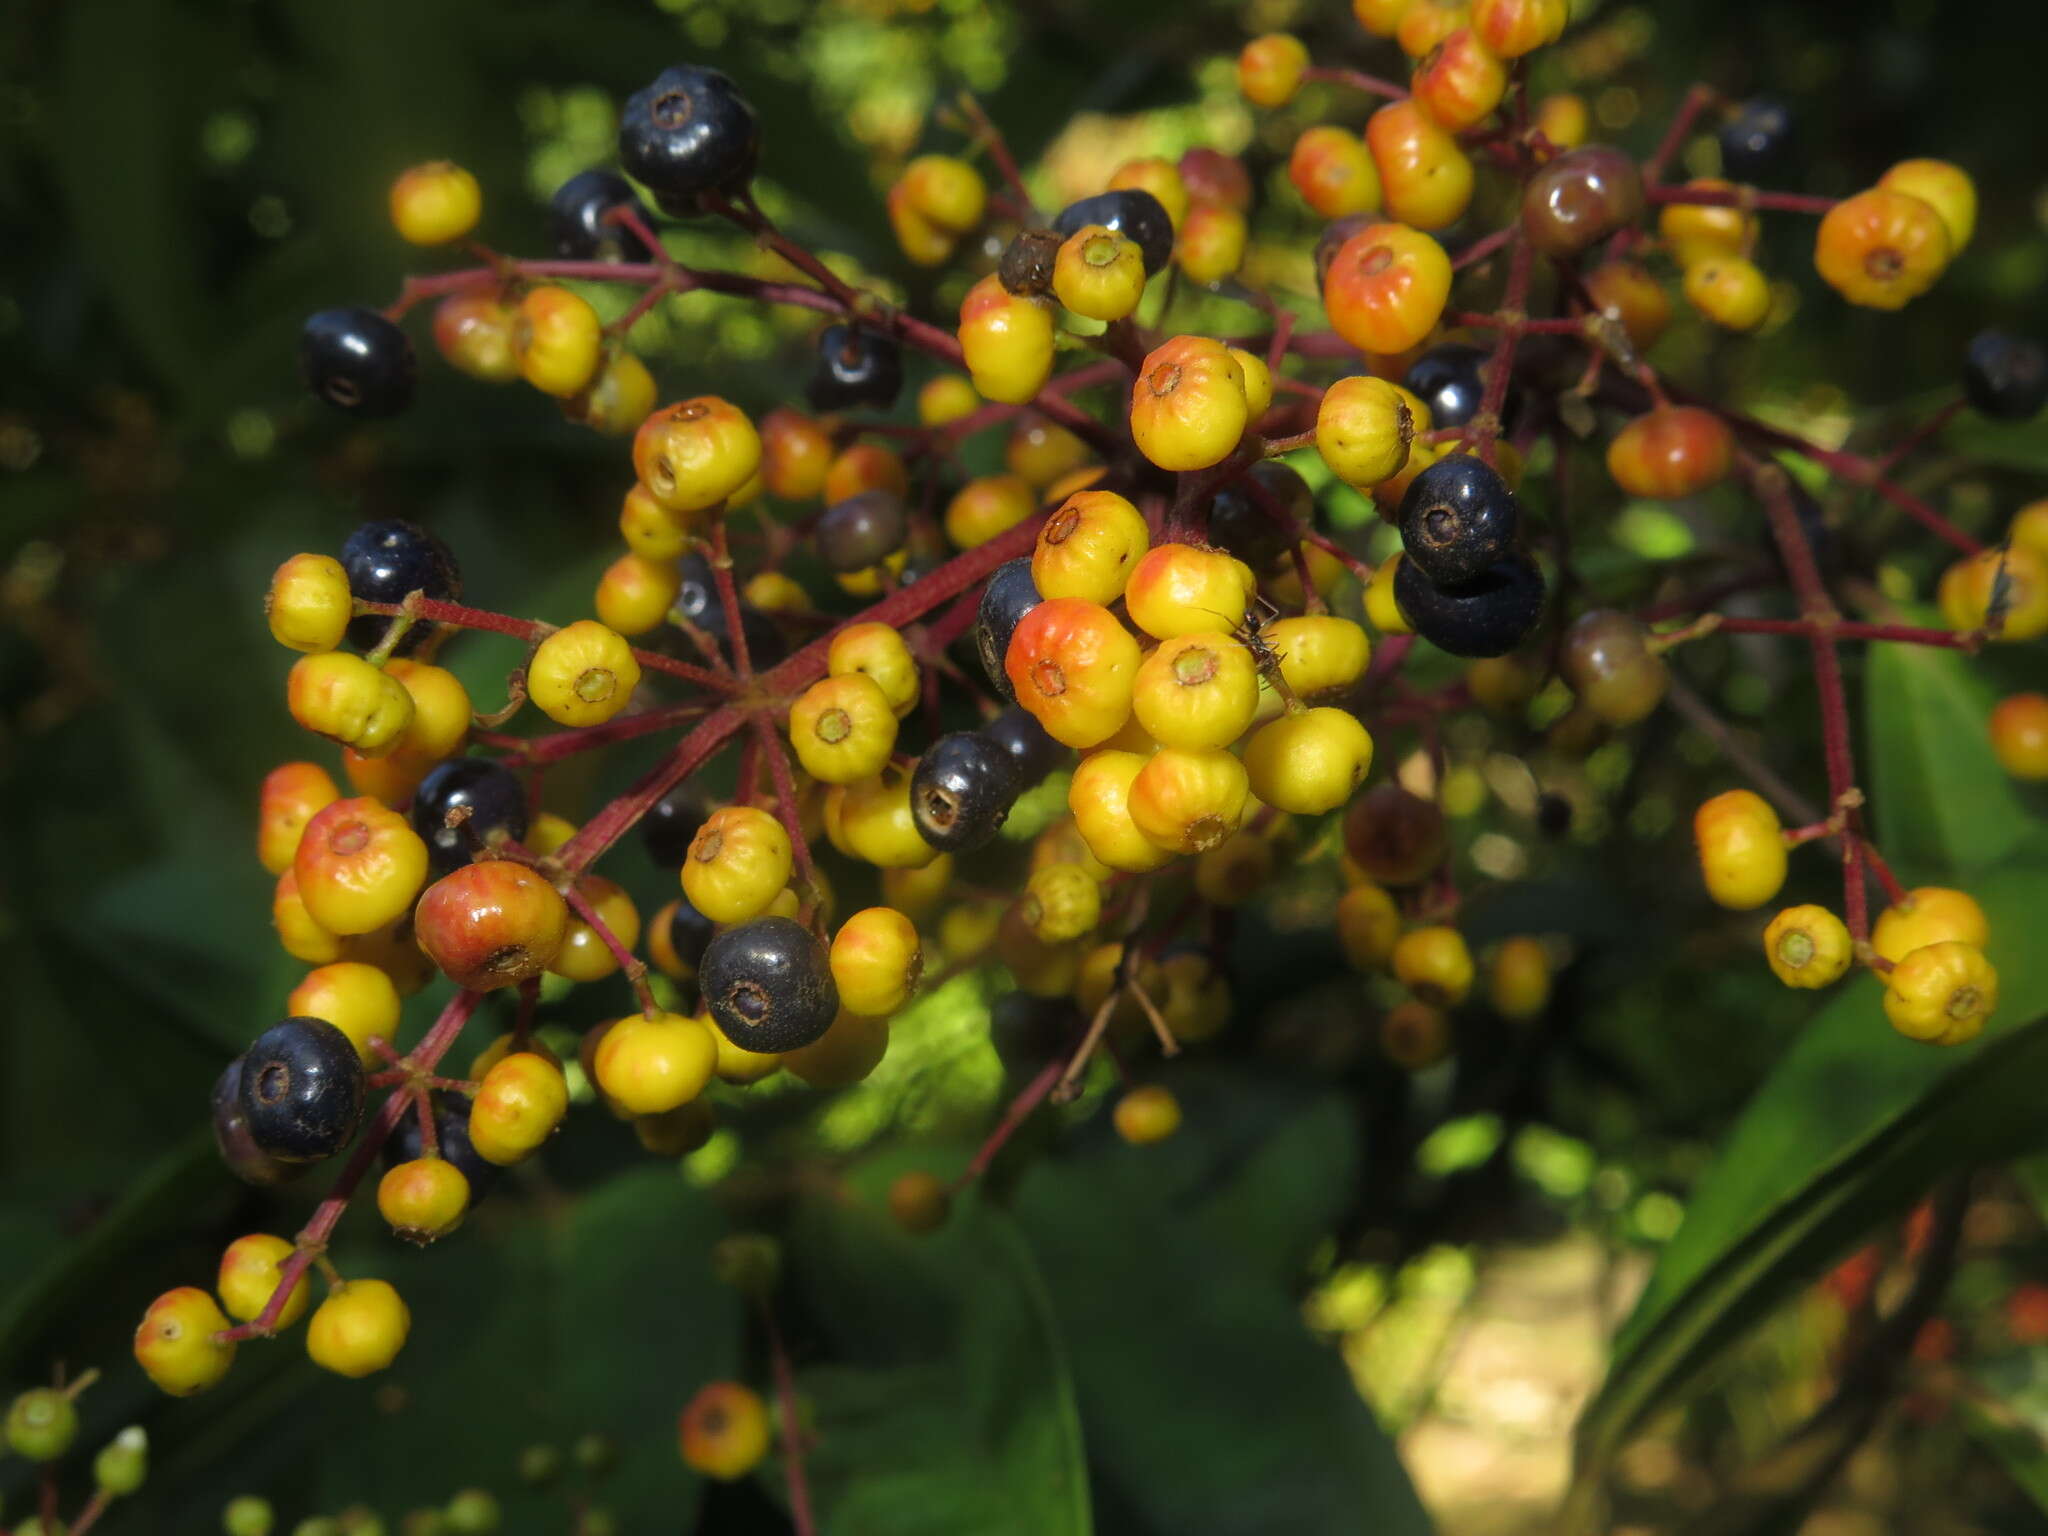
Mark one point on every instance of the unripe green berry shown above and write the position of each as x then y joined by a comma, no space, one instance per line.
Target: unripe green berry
41,1424
540,1464
33,1526
598,1522
318,1525
122,1463
749,1262
247,1515
473,1512
594,1455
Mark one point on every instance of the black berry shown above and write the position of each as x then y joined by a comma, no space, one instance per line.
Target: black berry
1488,617
386,562
669,825
1240,520
961,791
862,531
451,1140
491,792
689,931
246,1161
1451,380
1027,261
1009,595
1754,139
1458,518
2006,377
689,132
768,984
302,1090
1136,215
358,362
855,367
697,601
576,219
1019,734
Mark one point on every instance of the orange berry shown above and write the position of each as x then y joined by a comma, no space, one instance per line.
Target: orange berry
1089,547
876,960
1188,407
356,998
1156,175
1212,176
2019,735
920,240
946,192
795,453
1187,589
1211,243
423,1199
1382,18
865,467
1425,177
1512,28
348,700
1072,665
1435,964
918,1201
1564,120
292,794
1519,984
1041,452
1146,1115
518,1105
474,332
249,1275
1626,293
1334,174
1881,248
1427,23
1671,451
851,1048
724,1431
1460,81
987,506
557,340
358,866
1386,288
491,924
694,454
1414,1035
635,593
1944,187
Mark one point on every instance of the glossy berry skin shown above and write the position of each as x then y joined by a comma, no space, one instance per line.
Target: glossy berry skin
652,1066
1025,742
1450,379
1581,197
576,219
473,331
176,1344
1881,248
1425,177
1212,241
491,792
1334,174
424,1199
249,1275
232,1138
1945,187
1626,293
1100,798
768,985
1730,291
1319,652
1460,80
492,924
694,454
1186,589
879,653
1930,914
876,961
1741,849
962,790
1269,69
1386,287
861,531
582,675
1072,664
1088,547
435,204
1099,274
2019,735
358,362
739,859
1198,692
1009,595
302,1090
293,793
690,131
697,600
1309,763
1458,519
1128,211
307,605
388,560
359,1329
358,866
1188,405
1670,452
843,729
2005,377
1754,139
1188,802
1242,516
1489,617
1605,659
855,367
451,1139
1006,341
1365,430
670,824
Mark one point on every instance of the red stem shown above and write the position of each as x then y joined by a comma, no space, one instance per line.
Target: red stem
1357,79
1020,1109
1741,197
1845,629
634,970
792,1431
1697,98
785,798
531,631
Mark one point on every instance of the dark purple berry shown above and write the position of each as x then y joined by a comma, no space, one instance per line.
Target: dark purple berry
246,1161
962,790
1457,519
358,361
768,985
1135,214
855,367
1019,734
2005,376
1009,595
577,223
486,788
1488,617
862,531
688,133
302,1090
1754,139
388,561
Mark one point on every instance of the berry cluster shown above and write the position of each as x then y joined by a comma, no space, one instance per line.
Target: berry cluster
1147,621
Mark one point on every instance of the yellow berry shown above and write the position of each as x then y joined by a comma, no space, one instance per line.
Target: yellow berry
178,1344
308,604
582,675
1435,964
1941,993
435,203
1807,946
1741,849
359,1329
249,1275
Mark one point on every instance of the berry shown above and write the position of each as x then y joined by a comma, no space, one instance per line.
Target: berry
1099,274
2019,735
473,331
494,923
962,790
358,866
1026,266
1099,796
1008,597
41,1424
1930,914
2004,591
1941,993
651,1066
423,1199
1671,451
1072,664
1394,837
1696,232
292,794
557,341
178,1344
873,821
1319,653
688,132
918,1201
768,985
356,998
697,601
650,529
1488,617
1731,292
1424,175
796,452
879,653
842,729
584,956
1128,211
1415,1036
1741,849
1334,174
1435,964
1581,197
738,862
1808,946
1308,763
1034,753
855,367
308,603
1212,242
387,561
1252,517
1518,986
1386,287
1006,341
617,398
238,1150
358,362
436,203
1451,380
1457,520
695,454
1188,802
359,1329
1882,248
2005,377
1186,589
1198,692
1512,28
1157,175
1364,430
1755,138
302,1090
1944,187
635,593
945,192
1060,902
491,794
1459,81
408,1143
1088,547
1563,119
876,959
1626,293
861,531
122,1464
347,700
582,675
1605,659
1188,406
1146,1115
518,1106
723,1431
670,824
987,506
577,222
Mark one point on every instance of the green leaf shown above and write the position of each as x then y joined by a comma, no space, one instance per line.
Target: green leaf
1852,1128
2006,1408
1944,806
1173,1269
948,1405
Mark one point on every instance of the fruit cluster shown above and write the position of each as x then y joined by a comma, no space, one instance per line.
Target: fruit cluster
1147,622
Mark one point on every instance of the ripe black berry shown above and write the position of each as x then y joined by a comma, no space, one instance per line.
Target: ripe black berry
669,825
2006,377
1451,380
697,601
302,1090
246,1161
576,219
862,531
493,795
1553,814
961,791
768,984
1488,617
1027,261
1457,519
1240,522
1017,731
451,1140
1753,140
358,361
855,367
386,562
1009,595
689,931
689,132
1136,215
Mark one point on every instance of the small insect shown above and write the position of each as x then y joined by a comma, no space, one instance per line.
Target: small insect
1251,634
